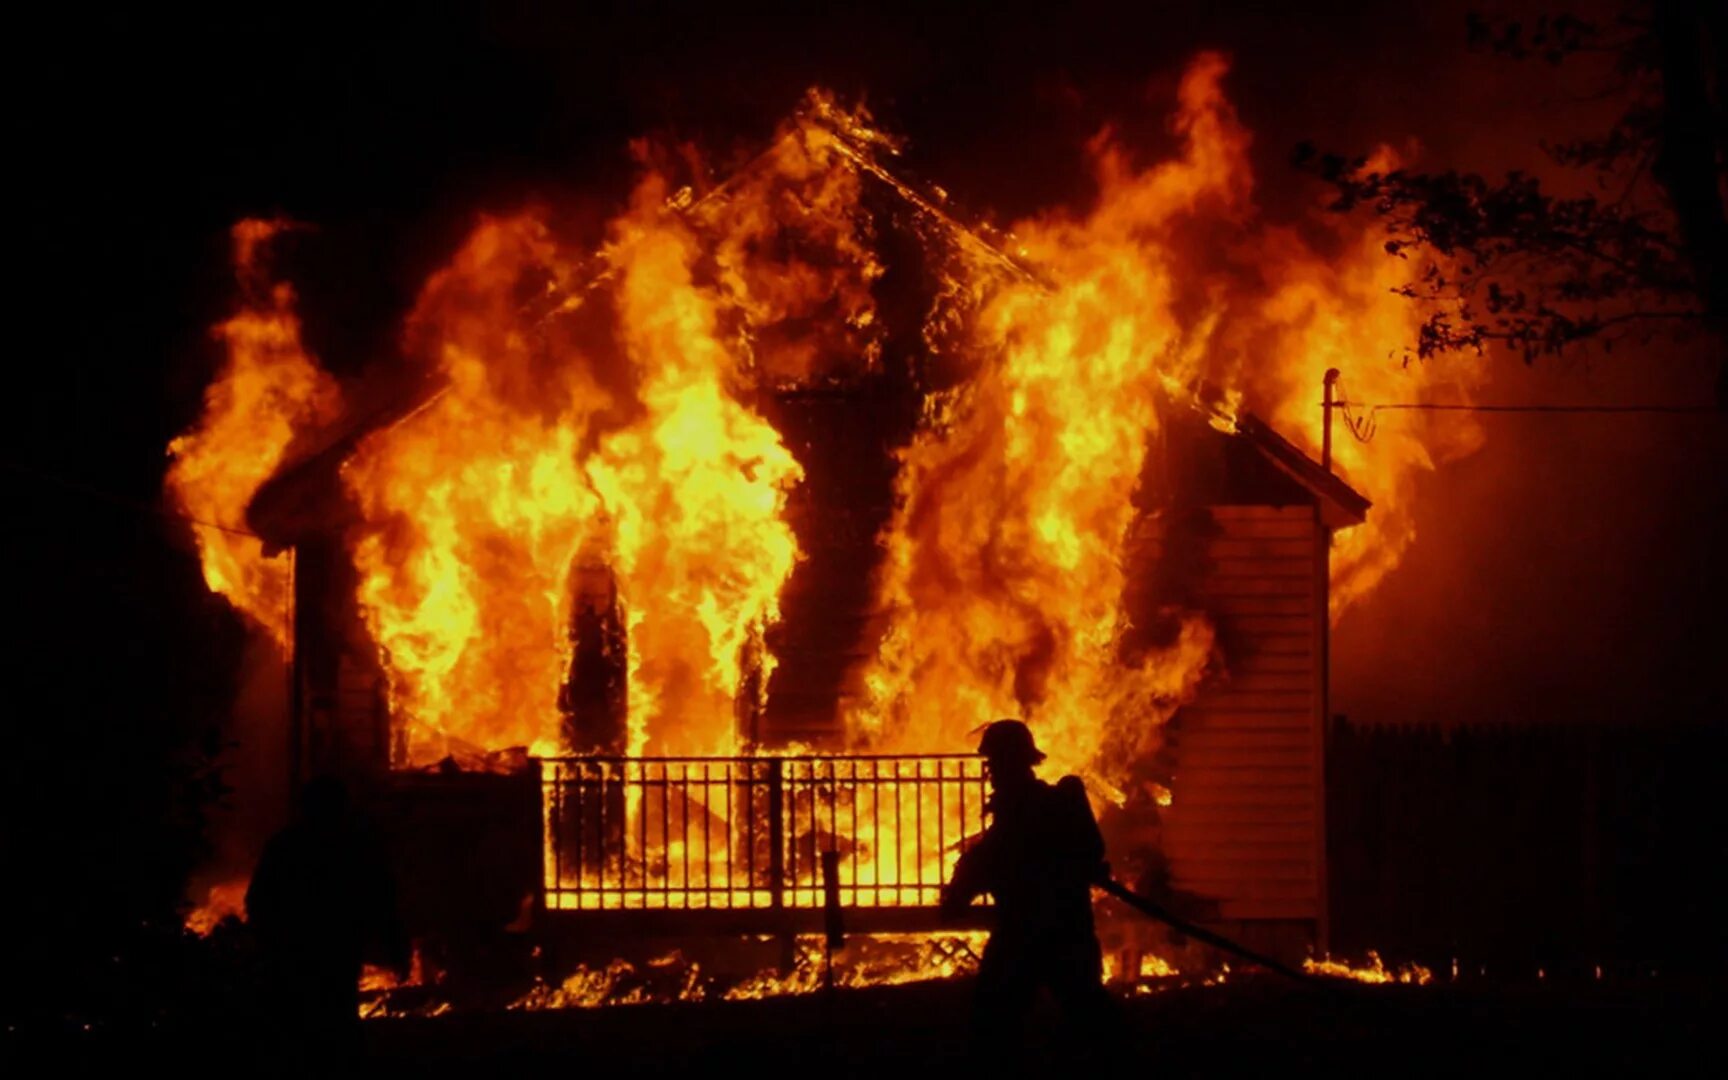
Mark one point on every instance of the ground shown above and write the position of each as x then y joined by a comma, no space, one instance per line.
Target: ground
1249,1026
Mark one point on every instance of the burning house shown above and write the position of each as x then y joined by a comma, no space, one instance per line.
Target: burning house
661,587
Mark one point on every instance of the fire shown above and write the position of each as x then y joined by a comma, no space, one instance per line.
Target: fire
698,491
1374,972
1006,560
586,988
637,449
268,391
880,960
793,250
1145,966
223,900
589,475
1342,311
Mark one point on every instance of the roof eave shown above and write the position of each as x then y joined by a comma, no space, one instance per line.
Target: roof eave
1341,506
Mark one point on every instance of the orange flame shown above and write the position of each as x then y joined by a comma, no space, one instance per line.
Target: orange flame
880,960
698,491
1374,972
1007,560
1342,311
473,509
635,444
267,392
223,900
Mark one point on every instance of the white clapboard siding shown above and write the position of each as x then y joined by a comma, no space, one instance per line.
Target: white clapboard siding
1243,830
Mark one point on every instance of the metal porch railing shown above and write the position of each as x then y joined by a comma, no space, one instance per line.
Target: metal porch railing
656,833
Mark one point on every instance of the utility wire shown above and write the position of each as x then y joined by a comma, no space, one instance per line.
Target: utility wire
1364,425
1439,407
102,495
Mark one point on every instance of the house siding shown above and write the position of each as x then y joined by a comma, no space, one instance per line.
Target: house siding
1244,828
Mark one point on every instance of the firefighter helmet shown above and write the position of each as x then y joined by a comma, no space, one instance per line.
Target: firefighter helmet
1009,741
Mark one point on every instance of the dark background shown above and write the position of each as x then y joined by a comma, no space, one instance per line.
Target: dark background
1569,574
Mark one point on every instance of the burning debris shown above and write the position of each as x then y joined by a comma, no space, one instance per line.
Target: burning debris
222,901
881,960
1374,972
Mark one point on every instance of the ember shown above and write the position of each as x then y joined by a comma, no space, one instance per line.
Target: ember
1375,971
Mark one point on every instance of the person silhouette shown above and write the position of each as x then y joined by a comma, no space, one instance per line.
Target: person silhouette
320,896
1038,860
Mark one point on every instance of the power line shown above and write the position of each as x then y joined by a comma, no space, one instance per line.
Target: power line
102,495
1362,419
1438,407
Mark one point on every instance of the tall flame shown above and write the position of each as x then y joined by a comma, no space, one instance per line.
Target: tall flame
697,488
1007,557
268,391
1344,312
608,420
473,508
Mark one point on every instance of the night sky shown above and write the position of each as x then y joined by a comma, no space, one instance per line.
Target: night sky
137,139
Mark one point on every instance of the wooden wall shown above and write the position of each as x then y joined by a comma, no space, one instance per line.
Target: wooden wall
1244,830
1564,847
341,722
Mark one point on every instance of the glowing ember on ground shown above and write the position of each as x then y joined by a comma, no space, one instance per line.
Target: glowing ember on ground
611,985
1375,971
875,960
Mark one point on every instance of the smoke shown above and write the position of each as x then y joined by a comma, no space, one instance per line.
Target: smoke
1569,572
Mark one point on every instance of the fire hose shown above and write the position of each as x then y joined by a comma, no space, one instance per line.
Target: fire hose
1154,911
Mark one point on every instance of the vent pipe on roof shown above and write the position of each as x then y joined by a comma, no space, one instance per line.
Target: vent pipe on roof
1329,386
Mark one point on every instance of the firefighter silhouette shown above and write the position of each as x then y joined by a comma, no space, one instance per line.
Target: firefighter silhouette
320,898
1038,860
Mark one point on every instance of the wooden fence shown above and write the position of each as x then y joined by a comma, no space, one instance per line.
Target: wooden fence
1559,848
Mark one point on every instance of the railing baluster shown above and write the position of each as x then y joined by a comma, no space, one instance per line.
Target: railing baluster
684,828
750,831
918,823
701,801
600,845
776,834
814,870
642,774
942,821
834,834
961,787
852,773
876,824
